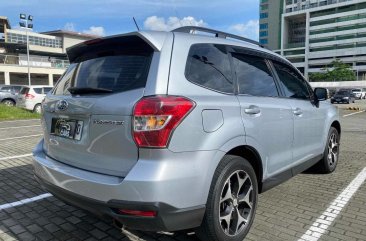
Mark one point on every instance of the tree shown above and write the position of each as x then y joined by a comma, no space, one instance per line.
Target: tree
339,72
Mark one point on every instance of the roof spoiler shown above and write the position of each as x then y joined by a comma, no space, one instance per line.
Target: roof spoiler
143,41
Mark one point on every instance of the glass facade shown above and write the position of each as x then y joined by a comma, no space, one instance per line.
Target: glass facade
34,40
263,41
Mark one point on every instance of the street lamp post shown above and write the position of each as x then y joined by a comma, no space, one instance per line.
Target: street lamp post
26,23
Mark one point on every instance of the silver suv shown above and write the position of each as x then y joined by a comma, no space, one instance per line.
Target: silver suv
165,131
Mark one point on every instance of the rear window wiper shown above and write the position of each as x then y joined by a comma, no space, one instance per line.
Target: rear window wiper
88,90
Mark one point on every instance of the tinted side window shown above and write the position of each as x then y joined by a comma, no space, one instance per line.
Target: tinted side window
46,90
208,65
254,77
292,83
17,88
6,89
38,90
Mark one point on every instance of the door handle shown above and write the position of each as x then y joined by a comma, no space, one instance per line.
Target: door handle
252,110
297,111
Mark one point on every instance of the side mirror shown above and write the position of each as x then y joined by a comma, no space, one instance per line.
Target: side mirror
321,93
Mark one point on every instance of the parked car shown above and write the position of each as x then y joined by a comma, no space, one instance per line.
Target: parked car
31,97
155,131
360,93
9,93
332,92
343,96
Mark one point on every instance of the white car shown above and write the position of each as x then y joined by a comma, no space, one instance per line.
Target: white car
359,93
31,97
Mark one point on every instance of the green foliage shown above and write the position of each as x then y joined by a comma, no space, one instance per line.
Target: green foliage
339,72
14,113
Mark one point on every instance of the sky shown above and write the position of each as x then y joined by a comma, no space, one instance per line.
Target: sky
108,17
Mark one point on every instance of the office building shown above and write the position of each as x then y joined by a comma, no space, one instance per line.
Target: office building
270,23
47,51
314,33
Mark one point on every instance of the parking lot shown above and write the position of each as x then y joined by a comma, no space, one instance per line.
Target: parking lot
308,207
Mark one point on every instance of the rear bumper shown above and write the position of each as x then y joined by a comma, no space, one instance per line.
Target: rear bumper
168,218
26,105
175,185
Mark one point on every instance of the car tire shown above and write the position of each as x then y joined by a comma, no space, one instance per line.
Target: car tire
231,203
331,153
37,109
8,102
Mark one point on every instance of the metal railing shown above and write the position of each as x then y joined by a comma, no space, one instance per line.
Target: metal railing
302,5
45,62
295,45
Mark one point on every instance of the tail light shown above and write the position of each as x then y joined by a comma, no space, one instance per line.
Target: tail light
156,117
29,96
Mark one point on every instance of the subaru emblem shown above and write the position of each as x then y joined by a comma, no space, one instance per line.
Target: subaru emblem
62,105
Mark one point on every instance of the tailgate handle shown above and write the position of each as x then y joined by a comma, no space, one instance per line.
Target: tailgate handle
252,110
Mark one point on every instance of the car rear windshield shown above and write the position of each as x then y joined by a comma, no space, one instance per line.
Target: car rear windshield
24,91
107,67
47,89
342,92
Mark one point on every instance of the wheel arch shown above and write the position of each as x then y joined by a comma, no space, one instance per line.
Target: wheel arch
11,99
337,125
253,157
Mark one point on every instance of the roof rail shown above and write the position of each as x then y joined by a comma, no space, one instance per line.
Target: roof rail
218,34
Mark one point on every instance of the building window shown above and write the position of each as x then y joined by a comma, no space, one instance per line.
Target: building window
34,40
263,41
263,15
264,7
263,34
263,26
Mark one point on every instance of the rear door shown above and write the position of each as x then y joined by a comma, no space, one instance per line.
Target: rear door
88,115
267,119
309,120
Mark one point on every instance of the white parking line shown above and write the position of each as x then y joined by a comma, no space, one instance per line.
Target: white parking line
16,127
14,157
320,226
19,137
18,120
24,201
354,113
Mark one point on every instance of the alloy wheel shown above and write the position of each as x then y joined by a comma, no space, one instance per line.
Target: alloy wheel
333,147
8,103
236,203
38,109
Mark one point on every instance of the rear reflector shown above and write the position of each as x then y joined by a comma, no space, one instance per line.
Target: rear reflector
156,117
138,213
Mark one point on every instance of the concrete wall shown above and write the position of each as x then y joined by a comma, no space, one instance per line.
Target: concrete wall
339,84
69,41
11,73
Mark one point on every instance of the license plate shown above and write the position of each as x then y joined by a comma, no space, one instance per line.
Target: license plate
71,129
338,99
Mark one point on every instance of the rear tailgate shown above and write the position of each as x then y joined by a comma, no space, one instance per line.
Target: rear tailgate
90,125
